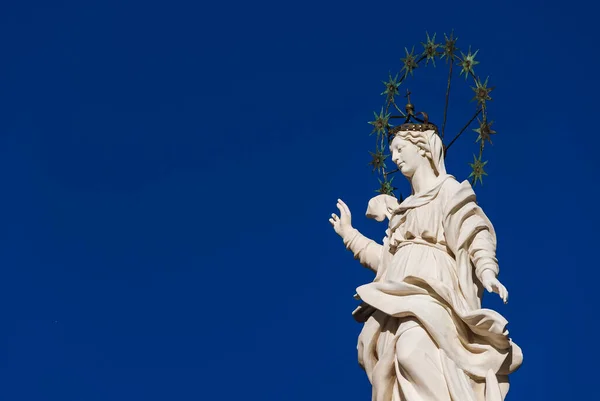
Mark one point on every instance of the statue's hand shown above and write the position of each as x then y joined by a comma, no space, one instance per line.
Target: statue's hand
492,284
342,224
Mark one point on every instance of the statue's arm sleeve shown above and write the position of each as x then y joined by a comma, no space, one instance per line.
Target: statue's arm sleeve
467,226
483,252
365,250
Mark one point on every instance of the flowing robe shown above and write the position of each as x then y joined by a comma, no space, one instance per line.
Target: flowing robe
428,274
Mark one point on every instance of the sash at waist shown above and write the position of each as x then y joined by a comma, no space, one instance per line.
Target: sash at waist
417,241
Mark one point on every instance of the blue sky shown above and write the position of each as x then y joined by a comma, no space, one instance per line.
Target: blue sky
168,170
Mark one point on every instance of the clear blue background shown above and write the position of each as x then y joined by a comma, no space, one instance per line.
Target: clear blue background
168,170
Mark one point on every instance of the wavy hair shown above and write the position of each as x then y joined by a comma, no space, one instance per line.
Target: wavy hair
431,144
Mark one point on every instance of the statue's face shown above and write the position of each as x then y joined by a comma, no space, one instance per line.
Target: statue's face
407,156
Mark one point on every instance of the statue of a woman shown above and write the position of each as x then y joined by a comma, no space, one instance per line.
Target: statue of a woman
425,336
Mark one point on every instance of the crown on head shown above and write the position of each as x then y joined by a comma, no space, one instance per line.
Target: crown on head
412,122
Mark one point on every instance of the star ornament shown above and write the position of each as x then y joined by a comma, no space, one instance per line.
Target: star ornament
482,92
485,131
391,87
378,161
449,46
478,171
381,122
386,187
410,62
430,51
468,62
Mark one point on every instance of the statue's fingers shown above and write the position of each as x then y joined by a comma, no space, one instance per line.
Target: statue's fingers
332,222
346,208
342,209
334,216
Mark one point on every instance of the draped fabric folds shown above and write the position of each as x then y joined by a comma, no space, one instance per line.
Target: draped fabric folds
428,277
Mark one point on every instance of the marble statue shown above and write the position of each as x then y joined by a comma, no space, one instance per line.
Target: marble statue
425,335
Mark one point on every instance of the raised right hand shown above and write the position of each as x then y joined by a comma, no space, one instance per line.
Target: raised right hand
343,224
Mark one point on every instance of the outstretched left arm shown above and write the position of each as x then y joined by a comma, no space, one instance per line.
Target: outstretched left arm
467,227
483,255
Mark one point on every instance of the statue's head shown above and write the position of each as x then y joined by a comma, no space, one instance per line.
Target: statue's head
416,146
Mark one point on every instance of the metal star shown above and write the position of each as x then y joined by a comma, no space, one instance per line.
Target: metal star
450,47
391,87
386,187
478,171
378,160
468,62
381,122
410,62
485,131
482,92
430,49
